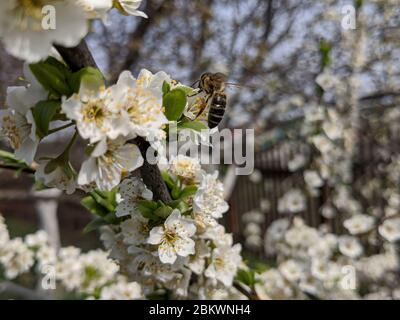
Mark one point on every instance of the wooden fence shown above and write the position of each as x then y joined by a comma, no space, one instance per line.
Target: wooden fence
277,179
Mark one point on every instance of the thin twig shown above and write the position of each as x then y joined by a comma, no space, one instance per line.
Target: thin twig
15,168
250,295
20,291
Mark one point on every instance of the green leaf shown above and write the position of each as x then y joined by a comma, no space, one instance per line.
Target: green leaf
165,87
92,78
163,212
119,7
358,3
325,49
168,179
94,225
43,112
52,76
194,125
247,277
58,64
90,204
110,218
8,159
147,208
51,166
188,90
187,192
103,200
174,103
174,204
175,193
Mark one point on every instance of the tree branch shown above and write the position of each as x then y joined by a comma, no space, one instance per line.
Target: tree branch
15,289
250,295
15,168
80,57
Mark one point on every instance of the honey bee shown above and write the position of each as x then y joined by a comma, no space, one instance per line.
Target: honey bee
213,84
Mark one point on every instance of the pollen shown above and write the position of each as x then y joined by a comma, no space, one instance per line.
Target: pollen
28,14
93,112
10,130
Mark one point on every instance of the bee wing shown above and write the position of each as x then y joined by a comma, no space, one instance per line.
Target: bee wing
228,84
218,77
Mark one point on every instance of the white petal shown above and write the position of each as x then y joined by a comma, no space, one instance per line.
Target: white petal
167,254
156,235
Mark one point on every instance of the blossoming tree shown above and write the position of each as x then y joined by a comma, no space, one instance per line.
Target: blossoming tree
159,222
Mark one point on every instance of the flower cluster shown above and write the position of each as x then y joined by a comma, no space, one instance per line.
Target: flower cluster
171,250
177,247
91,275
314,263
30,28
108,118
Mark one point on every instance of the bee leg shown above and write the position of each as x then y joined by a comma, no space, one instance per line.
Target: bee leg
195,94
194,83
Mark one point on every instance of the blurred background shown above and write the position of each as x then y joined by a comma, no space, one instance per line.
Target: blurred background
276,50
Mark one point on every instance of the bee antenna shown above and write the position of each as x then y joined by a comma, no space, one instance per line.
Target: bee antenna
197,81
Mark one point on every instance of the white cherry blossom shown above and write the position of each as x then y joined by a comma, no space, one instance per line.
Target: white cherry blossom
23,34
224,264
108,162
173,238
132,190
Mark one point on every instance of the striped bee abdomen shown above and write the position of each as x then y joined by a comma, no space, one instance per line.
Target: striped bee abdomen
217,109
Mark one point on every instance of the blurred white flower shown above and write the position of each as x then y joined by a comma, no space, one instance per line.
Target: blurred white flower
24,36
224,264
272,285
323,144
256,176
209,198
350,246
253,242
130,7
197,262
313,179
293,201
277,230
16,258
46,255
359,224
62,176
291,270
328,211
96,8
297,162
334,131
251,229
390,229
324,270
4,235
122,290
265,205
16,122
253,216
37,239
